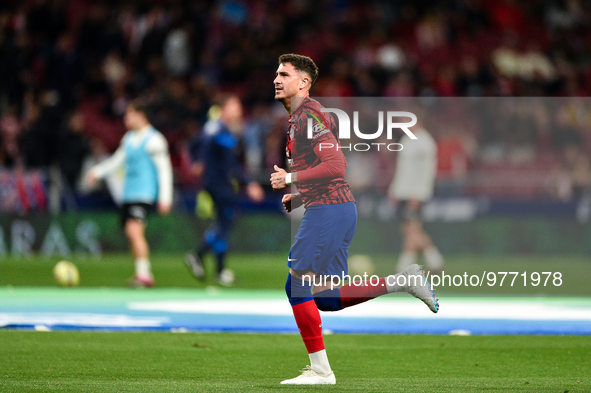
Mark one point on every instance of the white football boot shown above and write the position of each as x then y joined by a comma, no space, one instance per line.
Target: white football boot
226,277
419,286
195,266
311,377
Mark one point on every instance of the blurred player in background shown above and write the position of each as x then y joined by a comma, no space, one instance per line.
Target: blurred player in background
321,244
143,154
411,187
216,162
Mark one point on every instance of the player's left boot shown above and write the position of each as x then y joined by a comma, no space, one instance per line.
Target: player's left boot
419,286
311,377
195,265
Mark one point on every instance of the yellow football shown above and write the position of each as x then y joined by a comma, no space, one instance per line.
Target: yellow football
66,274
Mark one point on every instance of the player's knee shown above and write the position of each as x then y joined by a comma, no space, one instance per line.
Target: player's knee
210,237
412,243
426,241
329,300
297,290
133,229
415,228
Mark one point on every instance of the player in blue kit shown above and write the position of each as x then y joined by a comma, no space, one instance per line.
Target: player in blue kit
143,154
319,252
216,162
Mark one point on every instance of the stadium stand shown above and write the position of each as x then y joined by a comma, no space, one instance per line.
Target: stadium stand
64,59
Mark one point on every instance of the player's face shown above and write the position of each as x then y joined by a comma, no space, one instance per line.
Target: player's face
131,118
232,111
287,82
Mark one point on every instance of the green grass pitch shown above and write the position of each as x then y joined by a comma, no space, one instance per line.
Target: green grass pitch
270,271
191,362
228,362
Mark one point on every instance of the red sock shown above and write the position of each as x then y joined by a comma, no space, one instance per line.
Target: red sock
352,294
308,320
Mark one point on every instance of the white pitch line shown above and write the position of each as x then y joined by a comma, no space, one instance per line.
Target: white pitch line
533,310
80,319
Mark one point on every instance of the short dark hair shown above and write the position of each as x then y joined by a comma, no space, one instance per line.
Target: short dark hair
223,98
301,63
141,105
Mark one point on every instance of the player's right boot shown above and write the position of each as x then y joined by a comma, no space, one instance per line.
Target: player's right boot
419,286
226,277
195,265
140,282
311,377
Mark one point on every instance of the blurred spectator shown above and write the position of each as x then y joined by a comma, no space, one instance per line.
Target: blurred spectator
40,138
454,155
577,168
10,132
255,134
94,57
37,140
73,147
177,52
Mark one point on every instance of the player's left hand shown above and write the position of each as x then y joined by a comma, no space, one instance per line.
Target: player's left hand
286,201
164,209
255,192
197,169
278,178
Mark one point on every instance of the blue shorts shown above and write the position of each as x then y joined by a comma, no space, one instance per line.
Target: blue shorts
322,242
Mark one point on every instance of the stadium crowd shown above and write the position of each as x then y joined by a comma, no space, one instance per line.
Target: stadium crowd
69,68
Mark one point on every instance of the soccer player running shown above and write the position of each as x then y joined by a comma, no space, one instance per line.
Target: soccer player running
216,162
412,185
143,154
321,244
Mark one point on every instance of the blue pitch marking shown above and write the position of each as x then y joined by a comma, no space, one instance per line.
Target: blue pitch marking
282,324
61,310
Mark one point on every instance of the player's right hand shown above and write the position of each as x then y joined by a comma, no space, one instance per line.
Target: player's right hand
286,200
164,208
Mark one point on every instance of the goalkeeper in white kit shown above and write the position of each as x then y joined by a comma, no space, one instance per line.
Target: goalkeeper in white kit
412,186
